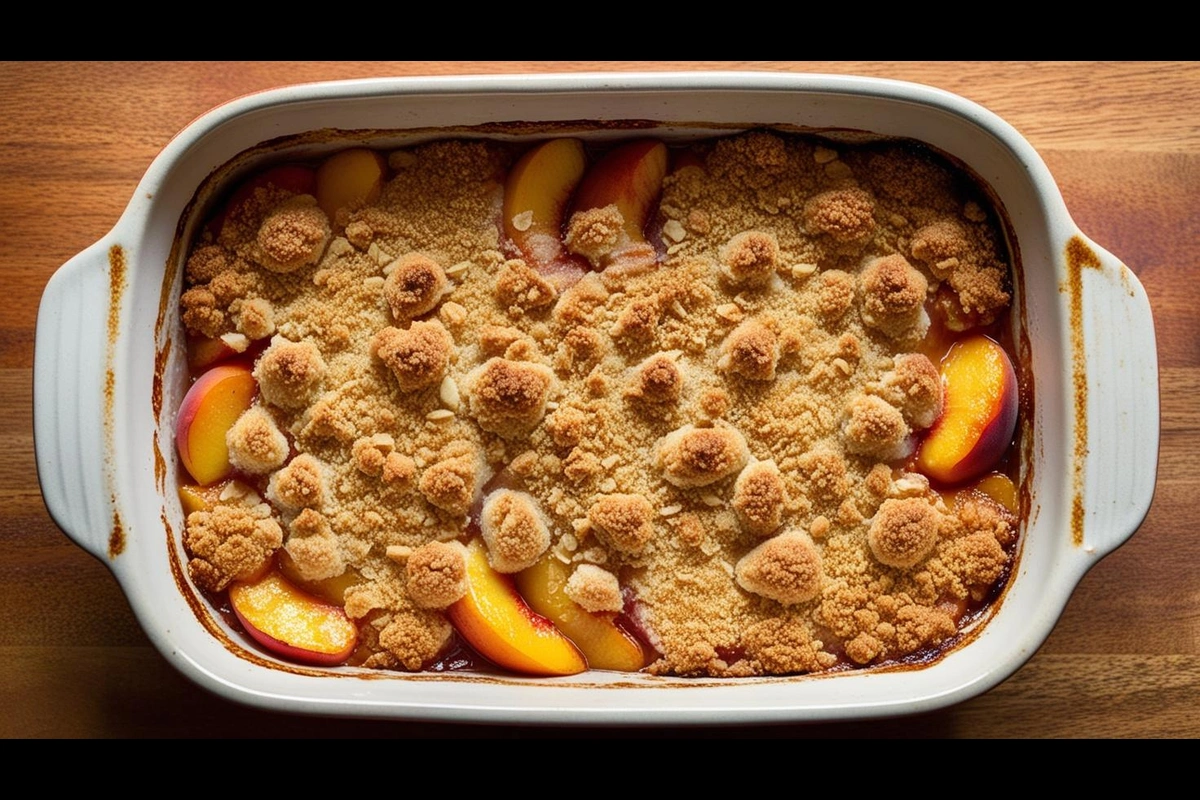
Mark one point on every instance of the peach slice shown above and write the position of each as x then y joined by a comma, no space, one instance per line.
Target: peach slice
603,642
197,498
995,485
498,623
979,416
536,195
349,178
203,352
292,623
1000,488
630,177
209,409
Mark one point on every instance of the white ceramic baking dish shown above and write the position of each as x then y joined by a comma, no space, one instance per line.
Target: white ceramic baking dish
109,374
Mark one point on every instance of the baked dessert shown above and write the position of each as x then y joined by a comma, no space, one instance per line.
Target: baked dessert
735,408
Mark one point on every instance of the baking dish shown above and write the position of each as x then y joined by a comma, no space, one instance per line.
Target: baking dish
107,328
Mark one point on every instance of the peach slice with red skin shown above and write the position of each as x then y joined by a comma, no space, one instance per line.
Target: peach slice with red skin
536,194
208,411
193,497
979,415
629,177
605,644
292,623
498,623
350,178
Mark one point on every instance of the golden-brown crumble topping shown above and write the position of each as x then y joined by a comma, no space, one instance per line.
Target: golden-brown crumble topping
658,379
751,351
514,530
509,397
915,387
750,258
785,568
313,547
414,285
293,235
300,484
230,542
437,574
256,318
289,374
904,532
595,233
875,428
418,356
894,298
256,445
415,637
594,589
692,456
719,440
759,497
625,521
519,288
845,215
452,481
835,294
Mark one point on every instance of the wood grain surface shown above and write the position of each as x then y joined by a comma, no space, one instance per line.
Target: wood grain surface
1121,139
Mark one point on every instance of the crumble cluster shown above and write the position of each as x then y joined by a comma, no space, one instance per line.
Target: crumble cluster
720,437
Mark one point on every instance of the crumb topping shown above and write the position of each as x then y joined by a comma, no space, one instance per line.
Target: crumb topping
658,379
785,568
750,258
594,589
595,233
520,289
256,318
877,429
903,532
418,356
845,215
451,483
255,443
437,574
894,298
915,387
509,397
751,351
759,497
514,530
289,374
625,521
300,484
313,547
293,235
230,542
414,285
712,425
414,637
692,456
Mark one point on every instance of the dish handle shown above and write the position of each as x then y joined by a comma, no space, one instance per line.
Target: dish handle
71,396
1120,365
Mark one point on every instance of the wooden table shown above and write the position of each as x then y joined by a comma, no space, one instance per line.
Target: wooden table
1123,141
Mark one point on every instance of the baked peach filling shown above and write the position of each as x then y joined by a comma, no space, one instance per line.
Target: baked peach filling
727,408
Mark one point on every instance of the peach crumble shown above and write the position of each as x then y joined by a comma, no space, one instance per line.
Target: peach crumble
731,408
